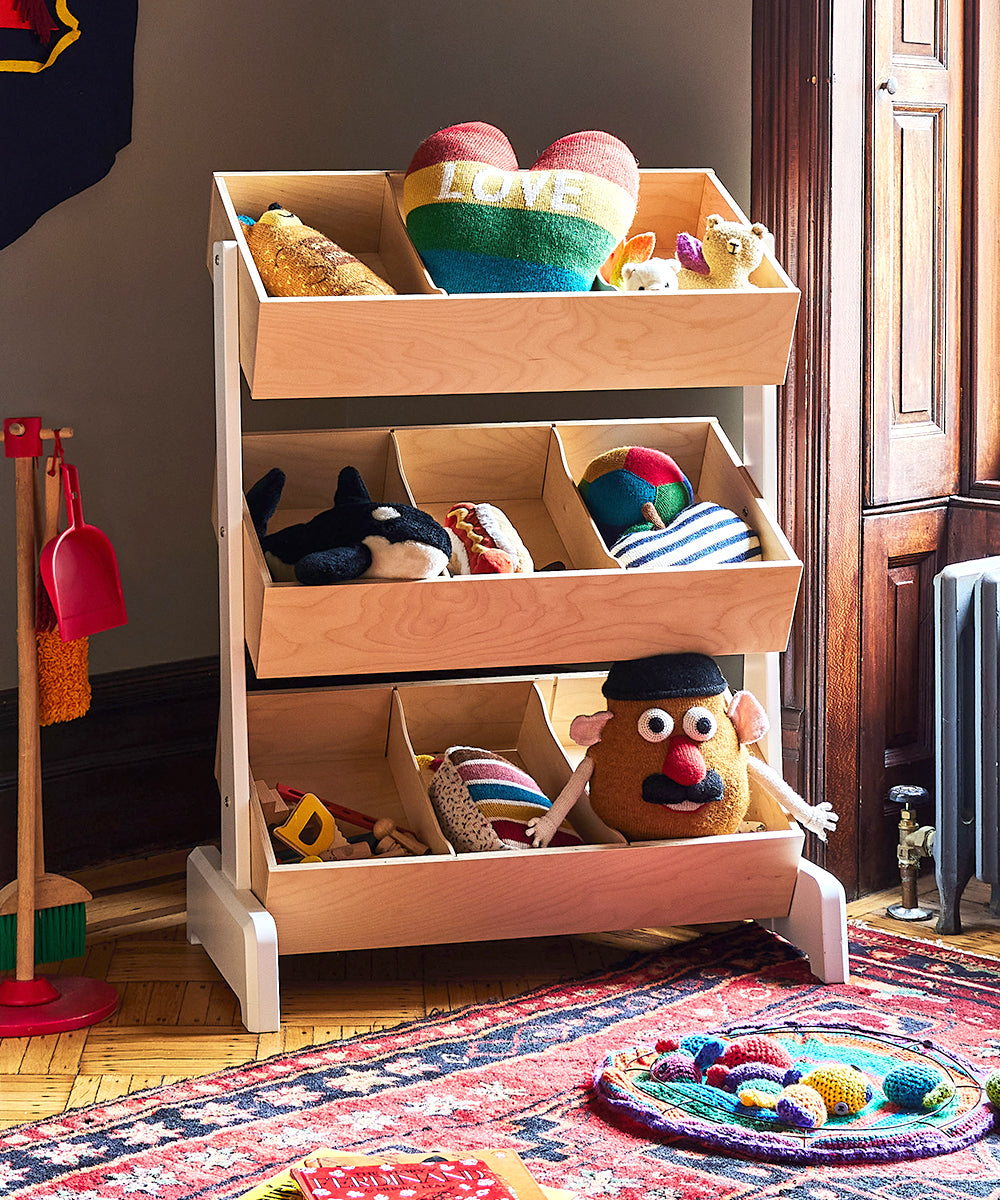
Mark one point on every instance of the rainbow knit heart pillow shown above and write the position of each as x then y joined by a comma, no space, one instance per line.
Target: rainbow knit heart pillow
482,225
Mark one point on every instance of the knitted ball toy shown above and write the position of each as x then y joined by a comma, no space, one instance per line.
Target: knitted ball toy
917,1086
845,1090
756,1074
695,1044
762,1093
801,1106
672,1068
993,1087
633,488
755,1048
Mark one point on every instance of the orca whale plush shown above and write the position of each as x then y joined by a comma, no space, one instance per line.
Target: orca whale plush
356,539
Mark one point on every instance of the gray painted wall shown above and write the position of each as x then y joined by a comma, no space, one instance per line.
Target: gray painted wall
105,304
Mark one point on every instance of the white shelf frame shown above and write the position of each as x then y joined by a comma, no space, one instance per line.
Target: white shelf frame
223,914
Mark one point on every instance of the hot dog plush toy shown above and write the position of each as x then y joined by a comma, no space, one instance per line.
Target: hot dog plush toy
484,542
668,757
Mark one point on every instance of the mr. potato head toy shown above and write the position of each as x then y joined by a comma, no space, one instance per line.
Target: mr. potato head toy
668,757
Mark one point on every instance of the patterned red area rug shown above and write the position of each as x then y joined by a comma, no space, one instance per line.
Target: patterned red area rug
519,1074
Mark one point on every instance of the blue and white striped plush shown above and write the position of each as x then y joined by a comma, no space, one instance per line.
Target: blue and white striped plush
701,533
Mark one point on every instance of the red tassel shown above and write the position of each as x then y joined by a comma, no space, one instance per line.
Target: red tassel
36,13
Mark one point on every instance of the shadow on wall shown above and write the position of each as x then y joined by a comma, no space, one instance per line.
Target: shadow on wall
106,301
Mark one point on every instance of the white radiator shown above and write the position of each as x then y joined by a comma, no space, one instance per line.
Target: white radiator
967,735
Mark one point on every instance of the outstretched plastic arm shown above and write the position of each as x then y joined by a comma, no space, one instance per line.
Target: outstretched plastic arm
541,829
817,818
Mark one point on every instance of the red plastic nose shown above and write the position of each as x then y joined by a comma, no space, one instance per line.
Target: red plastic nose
684,762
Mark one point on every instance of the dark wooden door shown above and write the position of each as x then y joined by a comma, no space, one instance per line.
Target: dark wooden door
915,250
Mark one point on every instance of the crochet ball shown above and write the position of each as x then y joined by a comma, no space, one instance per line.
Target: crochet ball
844,1089
801,1106
674,1068
755,1048
617,484
753,1073
917,1086
993,1086
694,1043
763,1093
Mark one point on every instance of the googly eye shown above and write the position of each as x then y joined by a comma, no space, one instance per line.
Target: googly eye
699,724
655,725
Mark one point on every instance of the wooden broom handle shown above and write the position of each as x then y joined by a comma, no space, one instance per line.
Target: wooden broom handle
27,718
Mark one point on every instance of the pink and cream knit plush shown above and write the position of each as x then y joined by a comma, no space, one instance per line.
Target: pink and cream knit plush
482,225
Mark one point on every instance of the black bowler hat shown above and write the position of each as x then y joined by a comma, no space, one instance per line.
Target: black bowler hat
663,676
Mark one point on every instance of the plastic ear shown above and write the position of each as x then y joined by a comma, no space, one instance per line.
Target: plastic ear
748,716
587,730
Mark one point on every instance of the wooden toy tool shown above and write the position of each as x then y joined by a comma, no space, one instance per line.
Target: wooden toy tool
381,826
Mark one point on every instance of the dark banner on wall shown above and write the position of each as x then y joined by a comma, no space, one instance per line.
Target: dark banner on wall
65,101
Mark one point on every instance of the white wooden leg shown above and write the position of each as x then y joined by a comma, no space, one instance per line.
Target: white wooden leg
817,922
239,935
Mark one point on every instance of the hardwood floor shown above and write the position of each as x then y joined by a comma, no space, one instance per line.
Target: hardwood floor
177,1018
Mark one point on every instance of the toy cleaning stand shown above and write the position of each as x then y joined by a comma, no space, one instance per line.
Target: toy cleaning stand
30,1003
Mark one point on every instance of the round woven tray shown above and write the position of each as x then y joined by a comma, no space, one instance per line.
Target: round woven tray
881,1132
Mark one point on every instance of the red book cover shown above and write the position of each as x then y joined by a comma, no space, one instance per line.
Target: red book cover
443,1179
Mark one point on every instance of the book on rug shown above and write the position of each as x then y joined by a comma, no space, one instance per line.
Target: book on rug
494,1174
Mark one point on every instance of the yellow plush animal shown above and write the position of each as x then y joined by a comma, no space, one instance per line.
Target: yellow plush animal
295,260
726,257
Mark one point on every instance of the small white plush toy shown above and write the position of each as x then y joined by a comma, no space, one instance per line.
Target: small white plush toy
653,275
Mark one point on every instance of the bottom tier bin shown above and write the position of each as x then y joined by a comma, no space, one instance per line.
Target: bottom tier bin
358,747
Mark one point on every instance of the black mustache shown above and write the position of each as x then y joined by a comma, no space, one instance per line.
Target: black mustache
660,789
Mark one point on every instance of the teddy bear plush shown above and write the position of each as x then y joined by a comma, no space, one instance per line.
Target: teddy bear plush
358,538
653,275
726,258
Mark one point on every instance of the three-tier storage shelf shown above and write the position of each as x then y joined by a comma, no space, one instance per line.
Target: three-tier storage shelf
358,745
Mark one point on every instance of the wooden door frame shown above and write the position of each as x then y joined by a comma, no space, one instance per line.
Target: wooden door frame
807,173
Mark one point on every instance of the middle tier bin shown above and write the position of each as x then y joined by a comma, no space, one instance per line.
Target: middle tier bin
579,605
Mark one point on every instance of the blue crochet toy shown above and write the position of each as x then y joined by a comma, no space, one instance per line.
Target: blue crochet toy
917,1086
357,538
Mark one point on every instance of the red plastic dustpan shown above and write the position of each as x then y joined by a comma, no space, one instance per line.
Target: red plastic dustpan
80,572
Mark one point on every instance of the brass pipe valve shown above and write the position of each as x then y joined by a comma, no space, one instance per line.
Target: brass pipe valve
915,842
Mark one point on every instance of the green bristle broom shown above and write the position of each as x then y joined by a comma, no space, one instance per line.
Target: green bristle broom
59,904
42,916
60,913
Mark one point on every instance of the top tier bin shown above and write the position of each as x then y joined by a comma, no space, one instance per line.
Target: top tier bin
425,342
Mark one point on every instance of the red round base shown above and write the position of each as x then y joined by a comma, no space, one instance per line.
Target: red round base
78,1002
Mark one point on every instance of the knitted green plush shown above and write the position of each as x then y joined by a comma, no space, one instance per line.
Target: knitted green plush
482,225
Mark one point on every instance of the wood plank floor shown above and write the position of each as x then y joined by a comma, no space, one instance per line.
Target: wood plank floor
177,1018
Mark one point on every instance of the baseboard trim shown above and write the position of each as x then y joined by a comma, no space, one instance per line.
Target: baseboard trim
134,776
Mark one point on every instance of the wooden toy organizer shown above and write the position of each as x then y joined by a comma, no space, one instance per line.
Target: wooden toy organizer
244,906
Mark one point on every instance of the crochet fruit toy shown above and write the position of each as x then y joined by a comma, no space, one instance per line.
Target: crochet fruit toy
668,757
635,249
633,488
482,225
356,539
726,258
296,260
